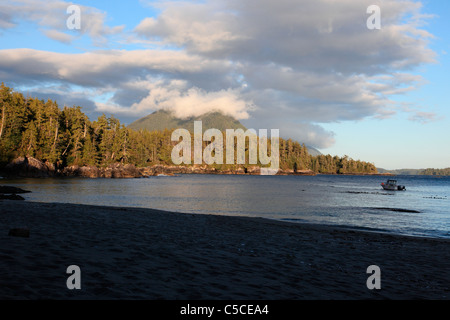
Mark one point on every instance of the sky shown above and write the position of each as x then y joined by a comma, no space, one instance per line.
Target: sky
311,68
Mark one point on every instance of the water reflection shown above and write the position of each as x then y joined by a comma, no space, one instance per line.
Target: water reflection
341,200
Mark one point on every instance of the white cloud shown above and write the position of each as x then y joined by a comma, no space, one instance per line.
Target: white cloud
184,102
51,16
193,25
59,36
5,19
424,117
102,68
319,35
282,64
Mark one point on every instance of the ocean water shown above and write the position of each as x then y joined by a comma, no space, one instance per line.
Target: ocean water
351,201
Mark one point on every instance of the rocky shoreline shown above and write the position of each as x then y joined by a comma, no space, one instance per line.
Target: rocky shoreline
11,193
28,167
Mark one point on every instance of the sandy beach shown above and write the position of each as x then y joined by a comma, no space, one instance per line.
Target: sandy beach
133,253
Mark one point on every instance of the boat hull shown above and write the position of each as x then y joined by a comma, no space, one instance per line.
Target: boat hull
394,188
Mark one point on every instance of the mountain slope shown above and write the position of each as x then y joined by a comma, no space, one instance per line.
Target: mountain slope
414,172
160,120
401,171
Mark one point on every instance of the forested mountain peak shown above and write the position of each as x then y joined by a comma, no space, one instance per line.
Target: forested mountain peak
161,119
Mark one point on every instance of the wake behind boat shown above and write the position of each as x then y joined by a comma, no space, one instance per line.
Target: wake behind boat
392,185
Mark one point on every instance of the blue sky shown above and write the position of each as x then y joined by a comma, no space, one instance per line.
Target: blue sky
310,68
398,142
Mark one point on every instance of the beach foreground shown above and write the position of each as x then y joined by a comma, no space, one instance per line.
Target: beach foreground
133,253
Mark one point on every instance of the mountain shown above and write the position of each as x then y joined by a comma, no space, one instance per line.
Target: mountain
313,151
160,120
401,171
415,172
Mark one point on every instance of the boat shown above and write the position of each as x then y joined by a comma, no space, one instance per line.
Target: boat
392,185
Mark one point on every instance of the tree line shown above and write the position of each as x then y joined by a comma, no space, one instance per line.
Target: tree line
435,172
64,137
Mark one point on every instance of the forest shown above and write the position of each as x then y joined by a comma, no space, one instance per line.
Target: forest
436,172
66,136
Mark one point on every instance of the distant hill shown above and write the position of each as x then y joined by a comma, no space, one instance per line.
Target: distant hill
313,151
160,120
401,171
436,172
415,172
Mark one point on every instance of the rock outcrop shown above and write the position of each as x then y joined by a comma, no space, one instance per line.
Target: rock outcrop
33,168
11,197
12,190
117,170
29,167
10,193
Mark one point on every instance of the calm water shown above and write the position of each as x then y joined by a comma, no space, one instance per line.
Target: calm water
352,201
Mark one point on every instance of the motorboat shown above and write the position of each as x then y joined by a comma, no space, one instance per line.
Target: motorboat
392,185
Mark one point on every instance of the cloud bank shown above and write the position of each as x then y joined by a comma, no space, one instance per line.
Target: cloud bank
285,64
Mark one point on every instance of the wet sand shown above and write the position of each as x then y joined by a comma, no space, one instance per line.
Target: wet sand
133,253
